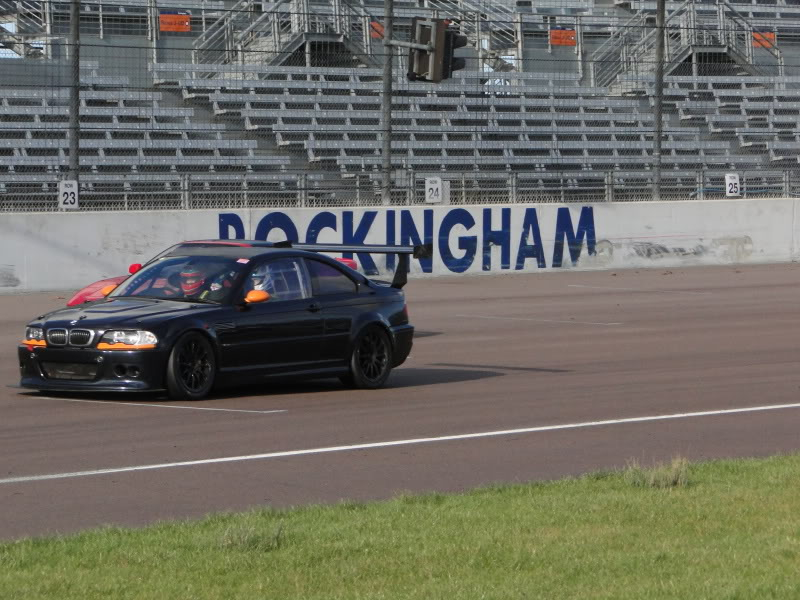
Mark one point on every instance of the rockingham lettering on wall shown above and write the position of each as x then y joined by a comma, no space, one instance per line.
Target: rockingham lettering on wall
464,239
467,239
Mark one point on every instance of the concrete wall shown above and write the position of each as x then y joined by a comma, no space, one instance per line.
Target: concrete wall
68,250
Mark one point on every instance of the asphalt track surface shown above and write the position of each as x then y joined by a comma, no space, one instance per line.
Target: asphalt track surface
512,378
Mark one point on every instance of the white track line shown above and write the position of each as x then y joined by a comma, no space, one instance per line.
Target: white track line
537,320
409,442
641,290
155,405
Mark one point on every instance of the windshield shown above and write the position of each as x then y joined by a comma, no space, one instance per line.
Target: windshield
209,279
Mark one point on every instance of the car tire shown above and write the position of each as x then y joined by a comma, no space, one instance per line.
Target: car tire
191,368
371,360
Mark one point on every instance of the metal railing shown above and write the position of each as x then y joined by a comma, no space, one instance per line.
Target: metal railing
630,50
611,58
741,36
31,20
240,126
488,25
300,190
248,34
247,27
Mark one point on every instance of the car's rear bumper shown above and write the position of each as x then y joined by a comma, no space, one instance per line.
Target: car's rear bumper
90,370
403,340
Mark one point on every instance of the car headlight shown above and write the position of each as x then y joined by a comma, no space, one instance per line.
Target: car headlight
34,336
34,333
127,340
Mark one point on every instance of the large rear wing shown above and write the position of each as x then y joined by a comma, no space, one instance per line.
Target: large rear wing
403,252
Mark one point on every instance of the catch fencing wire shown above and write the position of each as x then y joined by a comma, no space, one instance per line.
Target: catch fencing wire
287,113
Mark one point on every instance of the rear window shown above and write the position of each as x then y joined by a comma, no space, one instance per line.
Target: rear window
328,280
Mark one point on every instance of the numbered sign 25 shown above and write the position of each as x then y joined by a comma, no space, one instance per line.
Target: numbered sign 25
68,195
732,185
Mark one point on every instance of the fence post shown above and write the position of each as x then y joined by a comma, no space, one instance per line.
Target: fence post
185,194
701,188
609,186
303,198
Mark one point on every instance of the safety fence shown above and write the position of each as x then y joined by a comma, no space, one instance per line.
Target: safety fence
209,103
186,192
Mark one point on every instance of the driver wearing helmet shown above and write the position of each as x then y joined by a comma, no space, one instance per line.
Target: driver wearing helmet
261,281
194,284
192,281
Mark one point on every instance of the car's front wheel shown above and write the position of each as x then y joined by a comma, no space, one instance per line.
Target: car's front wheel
371,361
191,368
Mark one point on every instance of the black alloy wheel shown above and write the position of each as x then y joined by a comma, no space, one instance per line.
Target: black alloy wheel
191,368
371,361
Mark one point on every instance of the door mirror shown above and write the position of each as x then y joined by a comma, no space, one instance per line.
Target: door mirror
256,297
134,267
107,290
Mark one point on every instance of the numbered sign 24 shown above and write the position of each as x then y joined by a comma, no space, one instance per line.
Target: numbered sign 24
433,190
437,190
68,195
732,185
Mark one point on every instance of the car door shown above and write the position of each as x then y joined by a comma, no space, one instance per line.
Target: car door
341,302
283,334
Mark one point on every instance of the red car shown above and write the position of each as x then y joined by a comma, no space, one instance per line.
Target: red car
100,289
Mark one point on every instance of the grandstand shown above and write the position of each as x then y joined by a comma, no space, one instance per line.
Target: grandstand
216,103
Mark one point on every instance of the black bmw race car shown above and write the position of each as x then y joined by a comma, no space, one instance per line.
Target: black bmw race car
219,312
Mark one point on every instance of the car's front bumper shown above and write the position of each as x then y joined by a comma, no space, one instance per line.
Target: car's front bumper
91,370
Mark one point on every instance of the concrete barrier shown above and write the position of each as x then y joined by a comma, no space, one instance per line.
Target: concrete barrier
61,251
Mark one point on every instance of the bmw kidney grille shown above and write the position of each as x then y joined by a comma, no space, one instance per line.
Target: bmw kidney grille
80,337
57,337
75,337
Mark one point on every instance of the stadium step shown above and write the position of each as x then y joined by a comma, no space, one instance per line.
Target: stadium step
626,61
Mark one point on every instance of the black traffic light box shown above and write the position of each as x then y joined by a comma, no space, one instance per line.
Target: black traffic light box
452,41
439,62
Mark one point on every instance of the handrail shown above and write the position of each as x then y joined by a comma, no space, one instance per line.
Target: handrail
227,39
213,28
741,20
604,64
632,50
500,17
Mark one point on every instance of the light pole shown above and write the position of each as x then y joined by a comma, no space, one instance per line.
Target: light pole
74,89
386,103
659,98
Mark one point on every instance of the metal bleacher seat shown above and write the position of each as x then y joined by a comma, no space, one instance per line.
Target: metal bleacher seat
324,114
121,130
333,117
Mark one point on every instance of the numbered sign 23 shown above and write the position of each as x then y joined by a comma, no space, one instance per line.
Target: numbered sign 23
732,185
68,195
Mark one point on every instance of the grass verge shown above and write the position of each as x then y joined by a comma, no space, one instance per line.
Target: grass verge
727,529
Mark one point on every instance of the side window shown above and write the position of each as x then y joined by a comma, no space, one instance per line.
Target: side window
283,279
329,280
